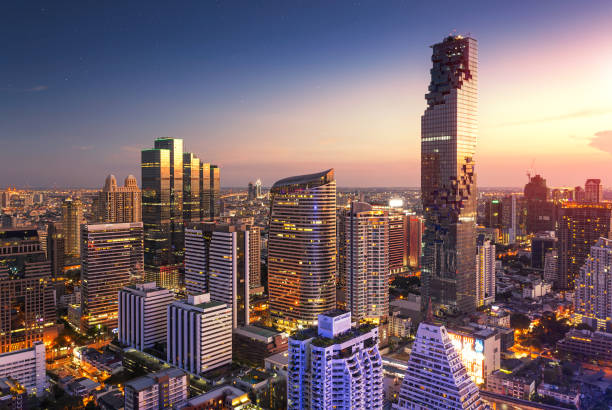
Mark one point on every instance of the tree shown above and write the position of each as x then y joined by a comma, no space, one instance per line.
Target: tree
519,321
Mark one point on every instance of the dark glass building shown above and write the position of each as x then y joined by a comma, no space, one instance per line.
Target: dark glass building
302,249
448,179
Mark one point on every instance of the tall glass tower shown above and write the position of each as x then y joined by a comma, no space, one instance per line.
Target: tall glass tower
448,179
302,249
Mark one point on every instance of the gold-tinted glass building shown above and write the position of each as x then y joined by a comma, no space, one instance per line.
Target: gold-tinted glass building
72,217
302,249
448,179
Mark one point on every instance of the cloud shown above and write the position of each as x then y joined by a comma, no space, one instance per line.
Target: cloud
566,116
602,141
83,148
37,88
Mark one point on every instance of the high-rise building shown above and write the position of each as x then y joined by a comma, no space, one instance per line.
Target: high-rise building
540,210
162,211
436,378
162,390
27,312
251,191
593,299
551,266
55,247
579,194
415,240
366,266
111,257
593,191
218,261
485,273
192,211
210,191
302,249
72,218
580,227
448,178
27,366
541,244
143,315
335,366
493,213
398,240
258,193
199,334
118,204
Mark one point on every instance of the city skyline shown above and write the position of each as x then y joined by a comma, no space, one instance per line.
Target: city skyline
236,104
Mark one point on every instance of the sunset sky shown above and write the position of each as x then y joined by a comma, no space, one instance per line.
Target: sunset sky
271,89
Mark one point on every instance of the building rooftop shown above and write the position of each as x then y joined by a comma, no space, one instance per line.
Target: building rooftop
311,180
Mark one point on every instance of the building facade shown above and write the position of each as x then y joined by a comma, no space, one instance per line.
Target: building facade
335,366
56,247
199,334
302,249
111,257
593,290
366,262
143,315
72,218
161,390
27,366
580,227
485,274
593,191
118,204
448,179
436,378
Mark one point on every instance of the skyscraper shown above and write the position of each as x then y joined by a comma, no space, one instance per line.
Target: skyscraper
415,239
398,240
448,179
118,204
217,260
540,210
55,247
593,301
210,194
580,227
26,295
199,334
485,273
593,191
366,266
436,378
72,218
143,315
302,249
162,211
192,211
335,366
111,256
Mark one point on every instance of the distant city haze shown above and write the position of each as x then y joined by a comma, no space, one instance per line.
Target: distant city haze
279,89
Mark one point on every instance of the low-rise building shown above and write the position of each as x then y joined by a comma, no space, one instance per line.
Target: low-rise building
479,348
161,390
278,363
562,395
399,325
252,344
12,394
221,398
587,345
26,366
501,382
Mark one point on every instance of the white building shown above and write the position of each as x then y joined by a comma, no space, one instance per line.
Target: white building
27,366
161,390
593,289
217,261
551,261
436,378
142,315
199,334
364,239
335,366
485,274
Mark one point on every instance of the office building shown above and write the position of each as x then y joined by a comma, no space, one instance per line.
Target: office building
540,210
199,334
510,219
27,366
580,227
593,191
541,244
551,267
485,273
111,257
302,249
72,218
415,240
118,204
593,291
251,195
448,178
366,262
26,294
436,378
258,193
161,390
143,315
55,248
335,366
192,211
218,261
493,213
252,344
479,348
398,240
587,345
